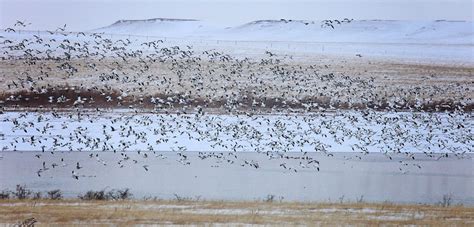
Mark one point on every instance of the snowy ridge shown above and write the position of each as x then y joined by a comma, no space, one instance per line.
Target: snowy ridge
164,27
358,31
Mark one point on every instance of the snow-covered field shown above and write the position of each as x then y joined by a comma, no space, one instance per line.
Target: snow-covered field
416,41
341,131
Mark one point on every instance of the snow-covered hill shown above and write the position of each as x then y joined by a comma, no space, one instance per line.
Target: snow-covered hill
362,31
163,27
441,41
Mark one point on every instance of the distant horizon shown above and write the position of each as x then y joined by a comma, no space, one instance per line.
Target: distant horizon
84,15
192,19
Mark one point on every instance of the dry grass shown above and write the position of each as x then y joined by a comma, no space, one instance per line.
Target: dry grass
214,212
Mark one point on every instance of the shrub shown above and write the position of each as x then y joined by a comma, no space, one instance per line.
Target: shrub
446,201
270,198
22,192
184,199
5,194
119,194
110,195
36,195
360,199
93,195
55,194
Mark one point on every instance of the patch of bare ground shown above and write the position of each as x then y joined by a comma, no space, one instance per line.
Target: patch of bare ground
71,97
68,212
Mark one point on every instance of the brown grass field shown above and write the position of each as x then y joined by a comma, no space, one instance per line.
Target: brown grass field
76,212
444,85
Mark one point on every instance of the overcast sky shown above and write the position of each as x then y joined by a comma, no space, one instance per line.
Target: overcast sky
88,14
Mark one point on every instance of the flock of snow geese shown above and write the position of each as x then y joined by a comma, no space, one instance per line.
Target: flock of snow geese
85,92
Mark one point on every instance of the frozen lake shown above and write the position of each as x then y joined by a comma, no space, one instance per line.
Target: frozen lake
341,177
344,155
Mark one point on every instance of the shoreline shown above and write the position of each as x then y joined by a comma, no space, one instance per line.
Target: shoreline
229,213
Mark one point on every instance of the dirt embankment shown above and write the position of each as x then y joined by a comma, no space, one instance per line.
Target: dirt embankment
71,97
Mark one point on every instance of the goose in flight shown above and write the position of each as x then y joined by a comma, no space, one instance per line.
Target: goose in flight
74,175
21,23
63,28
